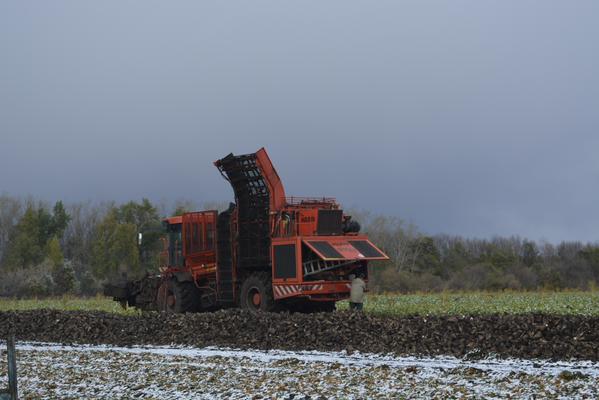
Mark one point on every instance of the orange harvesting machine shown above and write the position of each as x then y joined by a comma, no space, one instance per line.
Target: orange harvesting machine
265,252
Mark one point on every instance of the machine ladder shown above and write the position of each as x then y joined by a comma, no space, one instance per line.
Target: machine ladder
313,267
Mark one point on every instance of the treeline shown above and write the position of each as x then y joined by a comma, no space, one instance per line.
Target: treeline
74,248
54,249
442,262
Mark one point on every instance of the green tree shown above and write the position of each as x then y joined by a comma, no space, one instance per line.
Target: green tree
497,256
26,244
146,220
590,254
62,273
114,248
143,215
530,253
457,257
11,211
29,240
54,252
425,255
59,221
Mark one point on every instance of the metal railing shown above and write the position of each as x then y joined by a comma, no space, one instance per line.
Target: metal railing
310,201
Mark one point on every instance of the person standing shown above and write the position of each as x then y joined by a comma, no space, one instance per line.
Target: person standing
356,296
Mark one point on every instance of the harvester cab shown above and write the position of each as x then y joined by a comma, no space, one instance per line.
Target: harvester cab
172,254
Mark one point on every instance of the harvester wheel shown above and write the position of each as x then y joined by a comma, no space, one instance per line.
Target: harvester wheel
178,297
256,293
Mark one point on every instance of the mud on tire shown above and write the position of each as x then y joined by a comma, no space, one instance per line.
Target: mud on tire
256,293
178,297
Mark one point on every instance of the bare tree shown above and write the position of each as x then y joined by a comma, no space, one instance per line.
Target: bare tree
11,210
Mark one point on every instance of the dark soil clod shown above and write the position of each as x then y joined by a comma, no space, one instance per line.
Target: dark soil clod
523,336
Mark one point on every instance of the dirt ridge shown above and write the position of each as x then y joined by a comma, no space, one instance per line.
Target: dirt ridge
523,336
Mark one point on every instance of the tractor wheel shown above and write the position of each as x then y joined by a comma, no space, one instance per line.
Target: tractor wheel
256,293
178,297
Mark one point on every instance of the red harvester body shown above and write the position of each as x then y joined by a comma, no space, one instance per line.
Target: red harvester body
266,252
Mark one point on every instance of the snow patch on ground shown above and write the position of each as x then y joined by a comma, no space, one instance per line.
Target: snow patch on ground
533,367
100,371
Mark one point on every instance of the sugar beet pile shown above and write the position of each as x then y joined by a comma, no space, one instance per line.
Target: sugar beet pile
524,336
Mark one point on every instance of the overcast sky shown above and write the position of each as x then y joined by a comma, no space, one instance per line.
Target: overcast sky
464,117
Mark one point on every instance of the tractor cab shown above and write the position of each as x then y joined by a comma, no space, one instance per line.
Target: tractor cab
173,246
190,242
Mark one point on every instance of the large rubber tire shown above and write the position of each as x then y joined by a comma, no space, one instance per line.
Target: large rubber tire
179,297
256,293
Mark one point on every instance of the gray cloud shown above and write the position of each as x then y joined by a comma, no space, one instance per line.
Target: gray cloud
464,117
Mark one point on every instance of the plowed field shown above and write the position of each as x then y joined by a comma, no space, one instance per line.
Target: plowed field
522,336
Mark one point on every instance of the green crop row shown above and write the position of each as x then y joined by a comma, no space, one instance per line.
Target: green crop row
66,303
472,303
466,303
